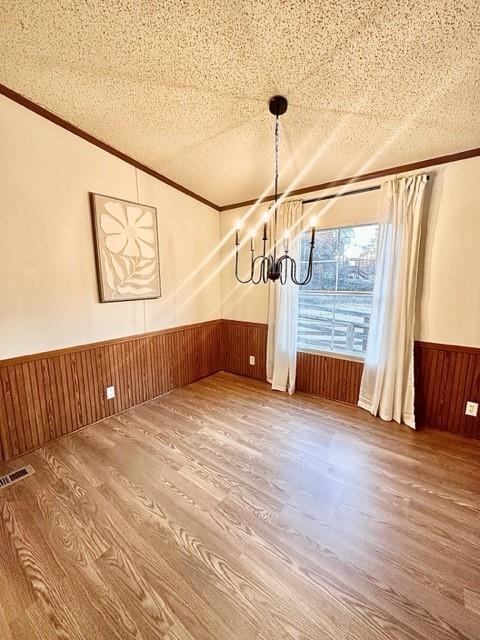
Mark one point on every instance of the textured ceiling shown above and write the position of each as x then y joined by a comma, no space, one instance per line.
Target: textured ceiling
183,86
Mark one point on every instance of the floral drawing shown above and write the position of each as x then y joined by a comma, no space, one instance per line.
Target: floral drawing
127,245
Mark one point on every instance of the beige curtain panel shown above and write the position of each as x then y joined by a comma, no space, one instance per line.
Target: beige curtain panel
387,386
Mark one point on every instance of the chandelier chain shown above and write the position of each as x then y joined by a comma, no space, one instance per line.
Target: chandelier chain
277,163
277,154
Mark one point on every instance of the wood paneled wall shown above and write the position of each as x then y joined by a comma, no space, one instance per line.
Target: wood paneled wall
446,377
334,378
47,395
240,340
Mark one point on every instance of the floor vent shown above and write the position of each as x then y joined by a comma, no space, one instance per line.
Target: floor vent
15,476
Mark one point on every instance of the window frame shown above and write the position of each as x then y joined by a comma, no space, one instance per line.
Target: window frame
323,352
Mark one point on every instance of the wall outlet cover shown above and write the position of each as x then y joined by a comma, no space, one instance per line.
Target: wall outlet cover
110,393
252,360
471,409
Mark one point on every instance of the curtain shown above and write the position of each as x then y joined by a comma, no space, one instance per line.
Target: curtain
283,304
387,386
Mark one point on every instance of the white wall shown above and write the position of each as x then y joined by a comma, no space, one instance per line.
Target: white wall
449,296
48,288
449,312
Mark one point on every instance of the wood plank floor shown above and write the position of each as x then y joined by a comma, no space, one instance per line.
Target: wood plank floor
226,511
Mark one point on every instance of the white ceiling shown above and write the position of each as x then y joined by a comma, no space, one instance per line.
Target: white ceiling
183,86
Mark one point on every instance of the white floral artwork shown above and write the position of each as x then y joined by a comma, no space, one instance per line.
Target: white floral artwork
127,249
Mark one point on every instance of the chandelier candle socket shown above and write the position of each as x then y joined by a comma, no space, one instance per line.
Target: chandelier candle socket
238,226
267,266
313,224
265,222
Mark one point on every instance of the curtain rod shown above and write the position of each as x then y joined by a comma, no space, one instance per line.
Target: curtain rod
345,193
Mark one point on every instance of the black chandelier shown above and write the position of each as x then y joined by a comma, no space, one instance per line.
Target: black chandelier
267,266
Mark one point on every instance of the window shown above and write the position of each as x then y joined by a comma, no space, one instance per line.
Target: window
335,307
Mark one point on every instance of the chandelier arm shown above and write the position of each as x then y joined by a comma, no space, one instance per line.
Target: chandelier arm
282,266
283,272
259,258
236,268
309,274
293,268
261,277
267,265
266,268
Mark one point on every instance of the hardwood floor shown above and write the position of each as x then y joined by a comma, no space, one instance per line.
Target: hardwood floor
226,511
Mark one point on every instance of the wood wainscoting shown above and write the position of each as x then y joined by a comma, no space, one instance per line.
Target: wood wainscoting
446,375
240,340
47,395
333,378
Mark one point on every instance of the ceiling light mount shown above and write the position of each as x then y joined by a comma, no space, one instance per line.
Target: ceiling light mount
277,105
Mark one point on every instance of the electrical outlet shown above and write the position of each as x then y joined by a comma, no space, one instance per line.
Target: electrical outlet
471,409
110,393
252,360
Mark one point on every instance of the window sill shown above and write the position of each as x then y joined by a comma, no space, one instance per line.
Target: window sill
331,354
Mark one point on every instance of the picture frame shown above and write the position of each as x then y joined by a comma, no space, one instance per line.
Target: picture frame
126,249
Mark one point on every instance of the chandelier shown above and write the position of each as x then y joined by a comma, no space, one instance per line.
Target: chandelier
268,265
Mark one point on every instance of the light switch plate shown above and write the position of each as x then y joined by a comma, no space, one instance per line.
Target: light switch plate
110,393
471,409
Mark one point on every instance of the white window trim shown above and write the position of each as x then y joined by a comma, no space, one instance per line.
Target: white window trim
331,354
338,355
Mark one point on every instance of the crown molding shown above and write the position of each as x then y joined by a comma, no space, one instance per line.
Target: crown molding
68,126
402,168
61,122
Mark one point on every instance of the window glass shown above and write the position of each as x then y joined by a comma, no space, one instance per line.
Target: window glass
335,306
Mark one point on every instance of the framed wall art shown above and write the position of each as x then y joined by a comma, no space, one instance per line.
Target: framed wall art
126,247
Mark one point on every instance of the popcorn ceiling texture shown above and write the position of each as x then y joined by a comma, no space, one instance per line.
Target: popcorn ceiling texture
183,86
